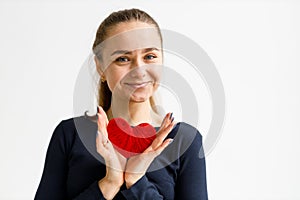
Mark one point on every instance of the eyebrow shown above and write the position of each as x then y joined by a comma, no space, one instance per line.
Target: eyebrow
129,52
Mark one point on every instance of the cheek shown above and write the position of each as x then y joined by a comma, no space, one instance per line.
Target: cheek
114,78
155,87
155,73
112,82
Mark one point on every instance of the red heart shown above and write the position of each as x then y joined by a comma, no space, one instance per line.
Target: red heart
127,140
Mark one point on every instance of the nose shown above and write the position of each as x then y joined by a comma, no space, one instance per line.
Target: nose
138,68
138,61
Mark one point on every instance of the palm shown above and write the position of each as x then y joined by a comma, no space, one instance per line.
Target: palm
113,159
137,165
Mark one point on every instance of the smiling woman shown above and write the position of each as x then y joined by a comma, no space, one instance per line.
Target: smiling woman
83,163
128,60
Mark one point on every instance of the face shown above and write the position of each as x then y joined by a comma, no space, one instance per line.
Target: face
131,61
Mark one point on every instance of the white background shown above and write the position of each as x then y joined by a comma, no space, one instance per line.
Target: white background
254,45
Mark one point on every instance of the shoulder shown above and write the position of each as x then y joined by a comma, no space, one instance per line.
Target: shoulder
187,139
68,128
71,124
185,132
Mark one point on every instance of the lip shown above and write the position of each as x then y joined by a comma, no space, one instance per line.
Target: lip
138,84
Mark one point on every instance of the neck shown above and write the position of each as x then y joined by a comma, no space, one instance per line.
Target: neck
133,112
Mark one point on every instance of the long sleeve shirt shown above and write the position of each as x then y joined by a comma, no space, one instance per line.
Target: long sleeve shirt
73,167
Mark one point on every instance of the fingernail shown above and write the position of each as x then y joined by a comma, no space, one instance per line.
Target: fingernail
97,109
171,115
172,120
170,141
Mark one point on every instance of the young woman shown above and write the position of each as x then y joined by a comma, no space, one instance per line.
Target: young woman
81,161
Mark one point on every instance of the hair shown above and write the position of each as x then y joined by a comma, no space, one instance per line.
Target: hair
108,23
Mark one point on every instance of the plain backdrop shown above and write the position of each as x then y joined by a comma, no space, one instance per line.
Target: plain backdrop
254,45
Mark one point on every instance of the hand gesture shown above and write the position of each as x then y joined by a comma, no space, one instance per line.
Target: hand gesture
114,161
137,165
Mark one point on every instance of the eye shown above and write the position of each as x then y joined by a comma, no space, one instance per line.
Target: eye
122,59
150,57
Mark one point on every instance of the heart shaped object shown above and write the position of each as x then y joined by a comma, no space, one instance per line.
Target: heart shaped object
128,140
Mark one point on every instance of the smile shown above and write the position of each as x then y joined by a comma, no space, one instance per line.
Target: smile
138,85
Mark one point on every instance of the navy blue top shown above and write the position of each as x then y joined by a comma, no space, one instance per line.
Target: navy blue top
73,167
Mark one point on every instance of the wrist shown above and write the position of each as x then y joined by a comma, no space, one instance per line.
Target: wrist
109,188
113,181
129,184
131,179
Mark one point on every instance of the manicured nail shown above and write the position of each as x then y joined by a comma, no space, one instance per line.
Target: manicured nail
170,141
172,120
171,115
97,109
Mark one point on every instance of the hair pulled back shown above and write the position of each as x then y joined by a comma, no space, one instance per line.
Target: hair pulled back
127,15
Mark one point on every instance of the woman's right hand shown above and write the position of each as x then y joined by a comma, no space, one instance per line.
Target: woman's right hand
114,161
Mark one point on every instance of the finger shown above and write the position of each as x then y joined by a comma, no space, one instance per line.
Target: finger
100,121
166,143
166,121
102,127
103,114
99,144
156,143
168,126
100,139
161,135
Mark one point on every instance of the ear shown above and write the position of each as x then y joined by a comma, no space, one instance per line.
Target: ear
98,66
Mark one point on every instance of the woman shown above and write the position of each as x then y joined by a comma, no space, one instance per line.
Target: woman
82,163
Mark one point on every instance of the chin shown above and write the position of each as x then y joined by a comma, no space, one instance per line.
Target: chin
139,98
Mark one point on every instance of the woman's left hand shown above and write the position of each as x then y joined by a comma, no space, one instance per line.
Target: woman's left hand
137,165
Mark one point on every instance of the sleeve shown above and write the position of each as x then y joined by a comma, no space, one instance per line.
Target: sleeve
93,192
54,177
143,189
191,182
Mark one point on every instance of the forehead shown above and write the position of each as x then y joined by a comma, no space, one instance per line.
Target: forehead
131,36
